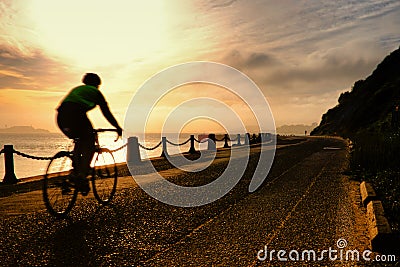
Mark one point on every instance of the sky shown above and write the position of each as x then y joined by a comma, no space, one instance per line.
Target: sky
301,54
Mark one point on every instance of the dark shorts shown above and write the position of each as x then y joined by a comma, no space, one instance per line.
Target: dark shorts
74,123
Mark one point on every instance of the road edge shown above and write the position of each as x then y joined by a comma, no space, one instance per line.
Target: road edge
380,232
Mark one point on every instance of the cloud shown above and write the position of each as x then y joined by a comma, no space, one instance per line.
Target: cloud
218,4
31,71
326,75
6,10
245,60
304,87
323,70
294,27
300,53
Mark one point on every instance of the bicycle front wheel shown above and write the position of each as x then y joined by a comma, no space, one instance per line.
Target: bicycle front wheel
104,176
59,194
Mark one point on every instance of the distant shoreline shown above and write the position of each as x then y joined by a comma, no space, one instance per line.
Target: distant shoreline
22,130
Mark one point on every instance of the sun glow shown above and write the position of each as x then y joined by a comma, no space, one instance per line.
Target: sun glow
98,33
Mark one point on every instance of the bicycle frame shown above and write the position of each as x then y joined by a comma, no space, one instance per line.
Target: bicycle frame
60,186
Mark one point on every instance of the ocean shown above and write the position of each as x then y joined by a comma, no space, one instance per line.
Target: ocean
48,144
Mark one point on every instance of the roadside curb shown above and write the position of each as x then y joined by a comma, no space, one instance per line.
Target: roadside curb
367,193
380,233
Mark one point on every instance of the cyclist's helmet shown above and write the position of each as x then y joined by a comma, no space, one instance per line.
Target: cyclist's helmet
91,79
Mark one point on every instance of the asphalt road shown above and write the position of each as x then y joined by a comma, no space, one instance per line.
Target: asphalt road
306,203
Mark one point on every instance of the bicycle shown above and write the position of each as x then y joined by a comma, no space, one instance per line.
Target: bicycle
60,191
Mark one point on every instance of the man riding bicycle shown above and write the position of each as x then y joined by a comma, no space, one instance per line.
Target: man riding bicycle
74,123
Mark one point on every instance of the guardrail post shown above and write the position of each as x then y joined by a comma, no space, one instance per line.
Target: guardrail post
238,140
259,138
9,176
263,137
266,137
132,151
164,152
226,137
247,139
211,142
192,150
253,139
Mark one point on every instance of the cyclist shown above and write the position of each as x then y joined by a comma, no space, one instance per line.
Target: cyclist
74,123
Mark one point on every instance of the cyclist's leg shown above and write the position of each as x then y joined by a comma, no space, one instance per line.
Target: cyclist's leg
85,148
86,145
83,152
67,122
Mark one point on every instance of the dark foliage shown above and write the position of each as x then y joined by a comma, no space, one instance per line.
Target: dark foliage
368,106
367,115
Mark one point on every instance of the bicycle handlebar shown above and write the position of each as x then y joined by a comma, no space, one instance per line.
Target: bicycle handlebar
105,130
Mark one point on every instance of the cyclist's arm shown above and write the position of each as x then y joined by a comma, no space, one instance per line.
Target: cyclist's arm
107,113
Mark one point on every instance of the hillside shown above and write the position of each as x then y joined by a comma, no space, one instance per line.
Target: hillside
368,106
22,130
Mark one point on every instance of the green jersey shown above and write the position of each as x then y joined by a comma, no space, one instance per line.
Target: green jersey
87,96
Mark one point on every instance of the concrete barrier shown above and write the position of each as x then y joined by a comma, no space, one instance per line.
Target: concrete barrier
378,226
132,152
367,193
212,146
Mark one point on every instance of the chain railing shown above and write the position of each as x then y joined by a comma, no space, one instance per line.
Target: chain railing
181,144
201,141
220,140
133,153
9,151
24,155
150,148
120,148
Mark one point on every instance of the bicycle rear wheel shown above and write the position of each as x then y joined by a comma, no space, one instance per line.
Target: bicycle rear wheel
59,194
104,176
